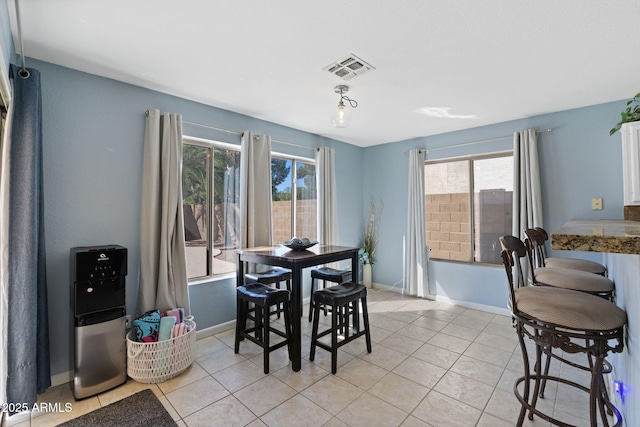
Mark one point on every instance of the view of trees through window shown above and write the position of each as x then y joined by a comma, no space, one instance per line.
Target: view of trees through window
211,194
289,177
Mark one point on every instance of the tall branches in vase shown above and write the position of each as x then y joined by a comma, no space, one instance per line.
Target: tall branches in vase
370,238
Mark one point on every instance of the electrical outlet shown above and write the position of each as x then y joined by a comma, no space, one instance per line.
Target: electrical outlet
596,204
127,321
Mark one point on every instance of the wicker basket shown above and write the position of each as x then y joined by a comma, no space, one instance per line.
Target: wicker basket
155,362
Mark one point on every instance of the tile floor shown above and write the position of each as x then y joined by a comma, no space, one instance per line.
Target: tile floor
433,364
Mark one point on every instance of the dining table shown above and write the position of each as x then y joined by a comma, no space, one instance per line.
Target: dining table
296,261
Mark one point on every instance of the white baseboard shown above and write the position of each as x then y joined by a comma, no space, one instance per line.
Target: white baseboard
61,378
466,304
387,288
475,306
216,329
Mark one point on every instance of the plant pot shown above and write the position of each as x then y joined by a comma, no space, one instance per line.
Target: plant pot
366,275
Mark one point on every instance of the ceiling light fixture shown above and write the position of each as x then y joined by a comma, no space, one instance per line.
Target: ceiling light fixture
341,117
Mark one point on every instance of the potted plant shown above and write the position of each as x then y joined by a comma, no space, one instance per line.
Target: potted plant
370,241
631,114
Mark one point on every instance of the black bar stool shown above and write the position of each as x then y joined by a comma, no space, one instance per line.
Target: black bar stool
263,297
326,274
339,298
272,277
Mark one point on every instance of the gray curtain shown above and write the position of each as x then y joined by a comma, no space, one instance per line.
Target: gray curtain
416,256
255,191
163,270
327,197
28,370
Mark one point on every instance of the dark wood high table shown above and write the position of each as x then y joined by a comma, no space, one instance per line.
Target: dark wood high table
296,261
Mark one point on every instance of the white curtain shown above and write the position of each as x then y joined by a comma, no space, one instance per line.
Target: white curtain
416,257
327,198
163,270
527,202
255,191
4,252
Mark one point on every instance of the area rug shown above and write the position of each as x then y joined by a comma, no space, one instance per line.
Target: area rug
142,409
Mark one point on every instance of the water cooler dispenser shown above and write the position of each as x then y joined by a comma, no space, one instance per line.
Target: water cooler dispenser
98,304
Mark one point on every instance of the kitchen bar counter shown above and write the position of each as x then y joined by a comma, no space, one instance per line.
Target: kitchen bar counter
619,243
610,236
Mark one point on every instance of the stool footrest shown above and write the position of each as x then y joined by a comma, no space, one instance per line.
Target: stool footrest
342,342
246,334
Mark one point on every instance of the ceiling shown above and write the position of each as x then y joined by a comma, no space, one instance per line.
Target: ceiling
471,62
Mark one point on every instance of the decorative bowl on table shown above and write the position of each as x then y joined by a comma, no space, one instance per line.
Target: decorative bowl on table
296,244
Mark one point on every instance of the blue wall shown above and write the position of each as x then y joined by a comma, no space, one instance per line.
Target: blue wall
93,136
578,161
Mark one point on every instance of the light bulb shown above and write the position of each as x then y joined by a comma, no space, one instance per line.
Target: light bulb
341,117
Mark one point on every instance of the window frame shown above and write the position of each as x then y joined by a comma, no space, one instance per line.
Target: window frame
211,145
470,200
294,185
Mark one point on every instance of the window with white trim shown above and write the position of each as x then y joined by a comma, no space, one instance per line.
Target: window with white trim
211,195
468,206
293,179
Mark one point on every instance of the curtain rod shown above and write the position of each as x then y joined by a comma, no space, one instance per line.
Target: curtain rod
240,133
478,141
24,73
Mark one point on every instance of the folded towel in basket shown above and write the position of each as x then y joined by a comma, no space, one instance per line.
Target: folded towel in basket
177,314
166,324
179,329
147,326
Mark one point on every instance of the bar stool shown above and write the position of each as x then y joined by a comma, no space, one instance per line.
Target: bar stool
272,277
565,319
559,277
326,274
537,237
339,298
263,297
575,280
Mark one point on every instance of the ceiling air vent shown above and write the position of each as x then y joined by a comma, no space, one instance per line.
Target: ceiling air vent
349,67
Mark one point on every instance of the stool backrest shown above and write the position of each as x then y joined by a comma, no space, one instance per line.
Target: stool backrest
535,241
516,250
546,237
507,260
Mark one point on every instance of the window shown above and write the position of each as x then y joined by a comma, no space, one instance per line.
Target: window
211,194
289,177
468,206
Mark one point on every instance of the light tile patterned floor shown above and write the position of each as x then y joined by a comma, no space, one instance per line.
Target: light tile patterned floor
433,364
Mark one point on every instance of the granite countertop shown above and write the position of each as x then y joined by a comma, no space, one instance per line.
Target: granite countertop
613,236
